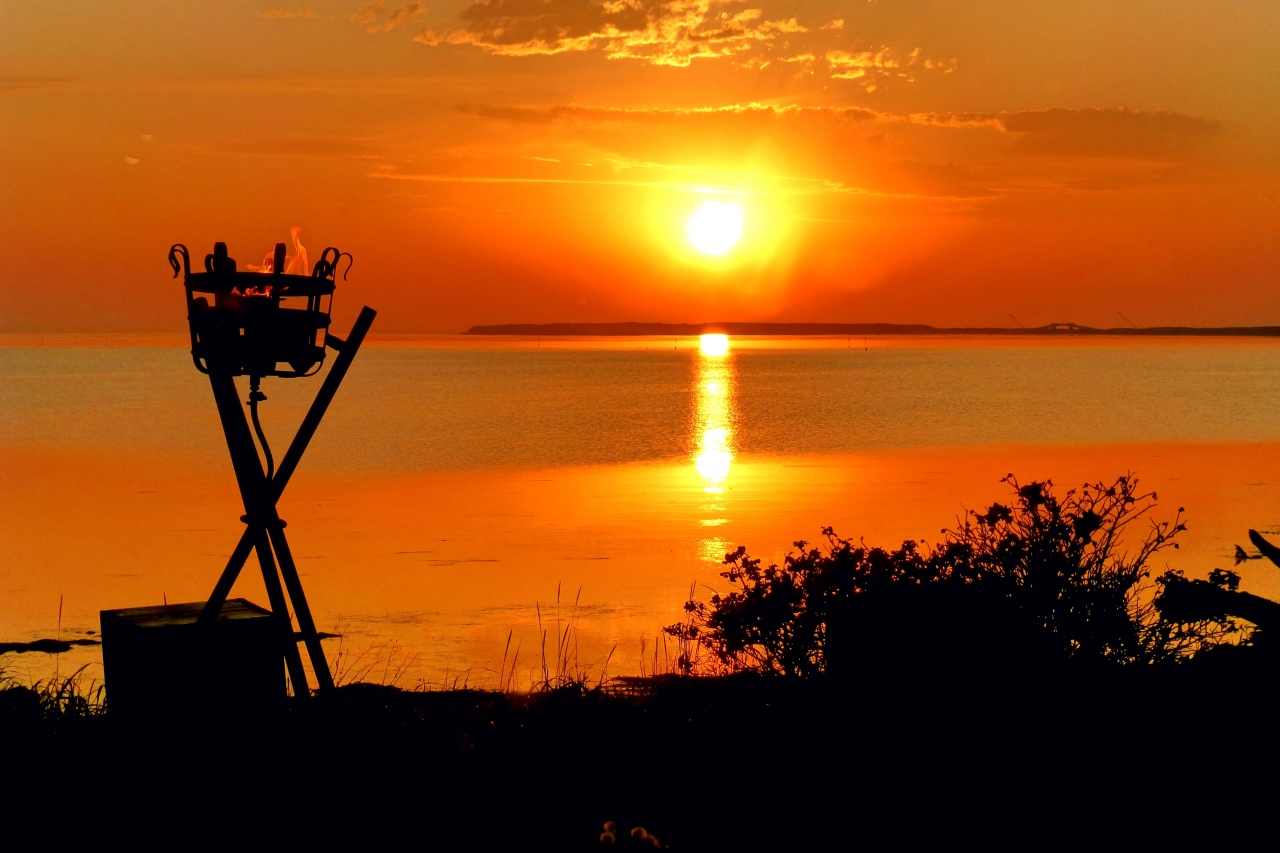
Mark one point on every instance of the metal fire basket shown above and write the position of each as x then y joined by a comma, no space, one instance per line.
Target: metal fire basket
251,323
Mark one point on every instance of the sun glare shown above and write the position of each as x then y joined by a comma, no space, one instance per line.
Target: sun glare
714,344
716,227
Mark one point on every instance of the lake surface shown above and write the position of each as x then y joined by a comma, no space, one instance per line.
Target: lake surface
458,482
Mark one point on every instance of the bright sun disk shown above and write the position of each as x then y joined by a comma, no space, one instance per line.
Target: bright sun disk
715,227
714,345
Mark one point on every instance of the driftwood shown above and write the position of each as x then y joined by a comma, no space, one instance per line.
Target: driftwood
1195,601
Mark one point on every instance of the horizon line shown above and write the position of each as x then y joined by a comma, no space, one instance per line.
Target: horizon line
636,328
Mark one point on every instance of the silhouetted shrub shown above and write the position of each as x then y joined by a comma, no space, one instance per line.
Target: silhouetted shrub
1044,578
1187,626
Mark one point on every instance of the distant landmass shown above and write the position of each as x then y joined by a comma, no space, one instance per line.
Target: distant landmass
851,329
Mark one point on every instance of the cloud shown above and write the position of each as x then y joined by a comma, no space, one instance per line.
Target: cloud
987,120
14,84
323,147
844,60
1118,132
1087,132
750,111
777,184
1096,141
304,12
866,65
367,13
661,32
398,17
671,33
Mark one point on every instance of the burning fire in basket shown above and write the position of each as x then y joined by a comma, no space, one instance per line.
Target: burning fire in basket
269,320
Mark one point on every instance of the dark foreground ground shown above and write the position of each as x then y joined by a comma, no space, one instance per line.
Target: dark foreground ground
1070,759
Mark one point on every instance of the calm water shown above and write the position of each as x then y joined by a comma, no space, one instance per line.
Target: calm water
457,482
432,408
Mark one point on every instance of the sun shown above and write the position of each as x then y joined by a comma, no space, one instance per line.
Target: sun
714,345
715,228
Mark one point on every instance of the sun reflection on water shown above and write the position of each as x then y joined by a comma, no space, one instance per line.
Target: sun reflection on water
714,414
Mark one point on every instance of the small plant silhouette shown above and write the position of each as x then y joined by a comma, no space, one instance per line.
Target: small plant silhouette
57,698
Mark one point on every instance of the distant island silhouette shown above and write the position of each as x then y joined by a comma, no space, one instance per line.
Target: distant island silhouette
849,329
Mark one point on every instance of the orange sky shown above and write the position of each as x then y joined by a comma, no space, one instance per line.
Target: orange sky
536,160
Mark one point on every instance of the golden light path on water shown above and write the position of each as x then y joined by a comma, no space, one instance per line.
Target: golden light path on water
714,418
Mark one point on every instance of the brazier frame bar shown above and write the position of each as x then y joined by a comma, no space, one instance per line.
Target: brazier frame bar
264,529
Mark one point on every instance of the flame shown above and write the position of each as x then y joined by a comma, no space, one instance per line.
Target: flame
296,264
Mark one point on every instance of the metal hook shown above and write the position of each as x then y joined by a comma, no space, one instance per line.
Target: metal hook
324,267
175,250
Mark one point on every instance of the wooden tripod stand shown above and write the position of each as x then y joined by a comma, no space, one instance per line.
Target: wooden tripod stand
264,530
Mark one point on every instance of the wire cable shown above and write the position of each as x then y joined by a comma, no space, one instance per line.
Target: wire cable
255,396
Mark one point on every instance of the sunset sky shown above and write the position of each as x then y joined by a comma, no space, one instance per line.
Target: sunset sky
537,160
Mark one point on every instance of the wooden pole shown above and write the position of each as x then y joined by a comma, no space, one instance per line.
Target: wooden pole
346,354
228,578
280,608
306,625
